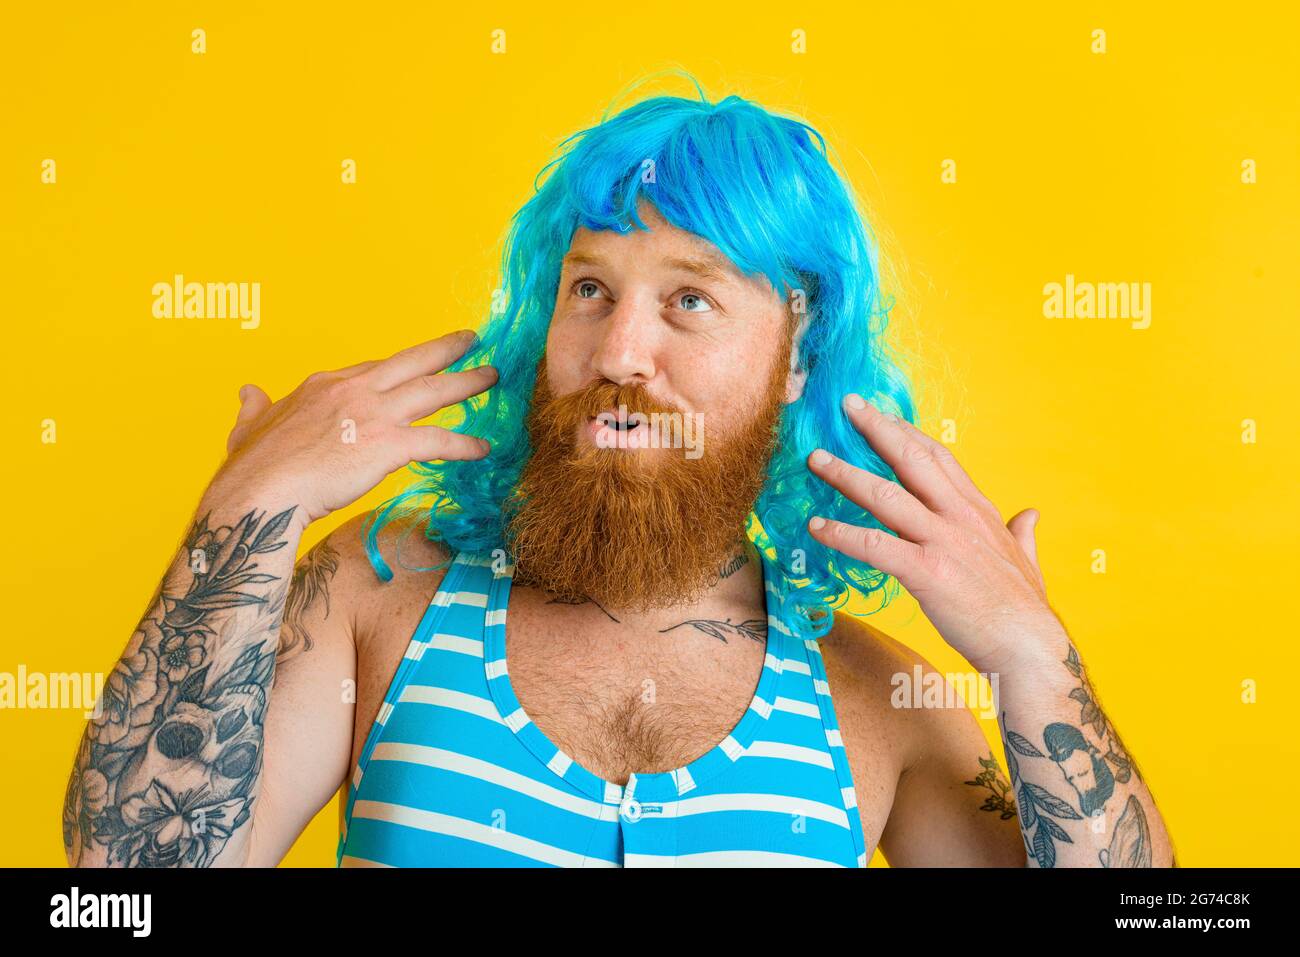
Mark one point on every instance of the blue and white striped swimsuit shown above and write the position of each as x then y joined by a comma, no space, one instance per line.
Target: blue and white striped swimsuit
454,774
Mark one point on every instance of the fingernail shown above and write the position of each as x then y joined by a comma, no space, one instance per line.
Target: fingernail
855,402
483,444
816,523
821,457
243,393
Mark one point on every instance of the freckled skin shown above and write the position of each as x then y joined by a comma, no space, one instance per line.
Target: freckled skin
638,320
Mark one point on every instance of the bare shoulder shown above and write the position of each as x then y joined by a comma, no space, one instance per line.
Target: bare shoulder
914,767
856,641
372,605
875,669
862,663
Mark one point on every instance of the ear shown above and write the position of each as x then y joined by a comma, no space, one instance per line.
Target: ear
798,376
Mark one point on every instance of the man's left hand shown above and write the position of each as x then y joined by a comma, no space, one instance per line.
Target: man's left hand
977,580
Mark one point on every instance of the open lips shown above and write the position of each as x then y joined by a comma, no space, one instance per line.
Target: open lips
621,428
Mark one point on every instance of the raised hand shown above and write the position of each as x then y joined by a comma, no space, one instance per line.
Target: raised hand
977,580
339,434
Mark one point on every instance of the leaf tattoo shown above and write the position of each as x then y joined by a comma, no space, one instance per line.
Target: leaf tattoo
1090,714
310,584
583,601
990,777
1037,805
166,770
1130,845
754,629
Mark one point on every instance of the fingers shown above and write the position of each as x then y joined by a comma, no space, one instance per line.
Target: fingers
952,469
428,443
1022,527
426,394
253,402
892,555
910,458
348,372
888,501
424,359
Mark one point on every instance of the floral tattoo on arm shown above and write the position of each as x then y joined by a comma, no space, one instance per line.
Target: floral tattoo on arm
167,768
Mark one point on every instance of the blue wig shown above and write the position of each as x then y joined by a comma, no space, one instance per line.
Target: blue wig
761,188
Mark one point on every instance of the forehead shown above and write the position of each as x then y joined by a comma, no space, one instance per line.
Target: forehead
663,244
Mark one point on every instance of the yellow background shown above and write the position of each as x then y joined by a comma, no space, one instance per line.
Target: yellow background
1120,167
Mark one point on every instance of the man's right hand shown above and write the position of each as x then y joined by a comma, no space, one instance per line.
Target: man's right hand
341,433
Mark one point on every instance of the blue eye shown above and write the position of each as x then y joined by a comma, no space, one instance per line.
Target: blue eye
697,298
583,284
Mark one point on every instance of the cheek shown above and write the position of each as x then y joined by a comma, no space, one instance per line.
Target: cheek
727,383
565,358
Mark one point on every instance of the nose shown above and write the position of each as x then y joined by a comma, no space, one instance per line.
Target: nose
625,352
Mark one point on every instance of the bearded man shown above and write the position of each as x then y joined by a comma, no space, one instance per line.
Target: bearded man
608,635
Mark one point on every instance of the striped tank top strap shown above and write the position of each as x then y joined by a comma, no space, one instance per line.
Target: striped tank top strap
465,577
812,654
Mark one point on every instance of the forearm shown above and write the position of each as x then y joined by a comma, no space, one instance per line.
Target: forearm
1081,800
169,766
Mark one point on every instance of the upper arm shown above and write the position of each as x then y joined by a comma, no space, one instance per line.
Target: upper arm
308,732
952,805
344,632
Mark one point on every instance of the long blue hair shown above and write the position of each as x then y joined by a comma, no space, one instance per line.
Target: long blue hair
759,186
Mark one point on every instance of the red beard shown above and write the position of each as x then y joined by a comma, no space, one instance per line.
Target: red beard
634,529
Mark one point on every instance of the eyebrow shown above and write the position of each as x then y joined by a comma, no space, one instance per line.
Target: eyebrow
706,268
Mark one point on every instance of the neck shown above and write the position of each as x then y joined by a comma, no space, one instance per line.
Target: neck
735,596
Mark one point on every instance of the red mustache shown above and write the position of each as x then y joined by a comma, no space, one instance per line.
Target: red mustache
561,414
